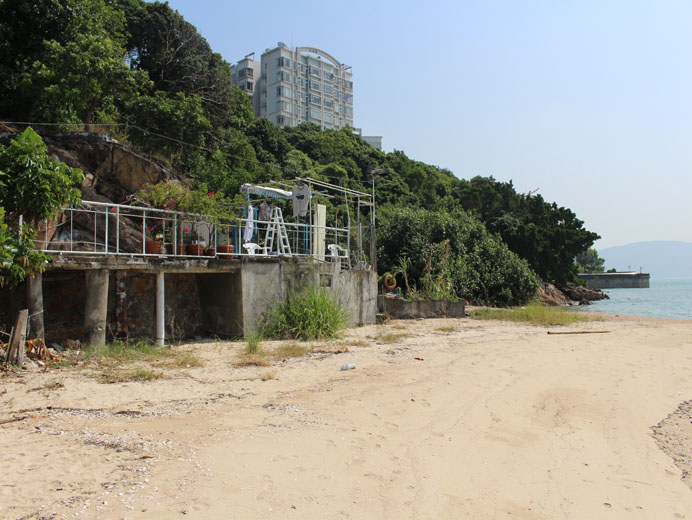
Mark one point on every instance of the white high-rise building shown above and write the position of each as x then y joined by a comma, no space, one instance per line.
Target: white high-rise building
301,85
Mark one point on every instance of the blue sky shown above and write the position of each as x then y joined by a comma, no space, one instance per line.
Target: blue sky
590,102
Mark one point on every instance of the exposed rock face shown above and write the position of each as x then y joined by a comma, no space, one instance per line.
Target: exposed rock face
584,295
113,172
572,295
551,295
112,169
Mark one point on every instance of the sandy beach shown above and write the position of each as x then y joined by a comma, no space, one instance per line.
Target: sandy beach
440,419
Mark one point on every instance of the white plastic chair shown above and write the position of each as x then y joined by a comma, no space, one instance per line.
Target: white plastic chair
252,249
337,252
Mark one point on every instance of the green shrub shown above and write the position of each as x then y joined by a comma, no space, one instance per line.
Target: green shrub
310,314
451,254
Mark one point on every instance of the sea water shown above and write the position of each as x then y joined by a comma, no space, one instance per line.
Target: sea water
664,299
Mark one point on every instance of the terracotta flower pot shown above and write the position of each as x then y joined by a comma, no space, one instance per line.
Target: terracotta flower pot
153,247
210,252
225,251
180,248
195,249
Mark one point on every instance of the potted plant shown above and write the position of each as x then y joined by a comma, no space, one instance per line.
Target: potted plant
224,249
199,205
193,246
153,244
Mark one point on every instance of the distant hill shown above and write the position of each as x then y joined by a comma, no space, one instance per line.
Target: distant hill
659,258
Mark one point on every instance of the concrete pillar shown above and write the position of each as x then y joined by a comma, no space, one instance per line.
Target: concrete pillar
96,307
160,309
34,298
121,324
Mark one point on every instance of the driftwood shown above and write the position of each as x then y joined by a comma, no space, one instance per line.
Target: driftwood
580,332
16,351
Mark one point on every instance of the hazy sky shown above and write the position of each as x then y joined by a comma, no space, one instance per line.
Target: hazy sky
588,101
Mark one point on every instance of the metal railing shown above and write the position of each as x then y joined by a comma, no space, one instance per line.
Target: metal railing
99,228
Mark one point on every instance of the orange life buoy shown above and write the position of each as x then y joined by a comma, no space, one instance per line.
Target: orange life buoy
389,282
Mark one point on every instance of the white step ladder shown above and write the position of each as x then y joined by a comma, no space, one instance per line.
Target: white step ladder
276,224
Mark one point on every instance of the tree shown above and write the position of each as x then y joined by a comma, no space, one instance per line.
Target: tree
178,59
24,27
87,73
33,186
163,123
590,262
479,265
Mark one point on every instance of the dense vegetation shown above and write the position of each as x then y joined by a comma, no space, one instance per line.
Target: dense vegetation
33,186
144,74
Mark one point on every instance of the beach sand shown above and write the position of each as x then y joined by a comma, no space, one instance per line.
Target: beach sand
440,419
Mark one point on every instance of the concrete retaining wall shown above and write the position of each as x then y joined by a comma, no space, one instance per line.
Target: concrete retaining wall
403,309
227,299
264,284
616,280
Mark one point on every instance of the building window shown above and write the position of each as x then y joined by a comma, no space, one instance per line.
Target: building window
316,85
249,86
241,73
315,114
328,90
315,99
283,62
328,103
328,118
316,72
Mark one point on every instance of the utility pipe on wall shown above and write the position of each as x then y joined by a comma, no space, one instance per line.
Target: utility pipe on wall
160,309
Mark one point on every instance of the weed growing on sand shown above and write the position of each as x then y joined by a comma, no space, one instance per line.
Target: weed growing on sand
310,314
391,337
122,376
290,350
450,328
181,360
355,343
267,376
253,343
51,385
253,360
122,351
534,314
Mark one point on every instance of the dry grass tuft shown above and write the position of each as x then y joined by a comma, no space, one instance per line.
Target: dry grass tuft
292,350
51,385
391,337
257,360
449,328
354,343
123,376
268,376
181,360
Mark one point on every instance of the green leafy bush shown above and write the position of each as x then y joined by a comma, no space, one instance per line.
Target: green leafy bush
310,314
478,266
